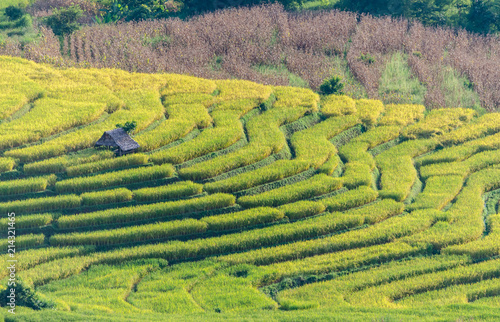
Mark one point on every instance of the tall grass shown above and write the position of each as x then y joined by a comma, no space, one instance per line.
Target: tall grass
398,85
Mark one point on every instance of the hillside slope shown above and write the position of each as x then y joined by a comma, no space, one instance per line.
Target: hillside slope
244,201
394,60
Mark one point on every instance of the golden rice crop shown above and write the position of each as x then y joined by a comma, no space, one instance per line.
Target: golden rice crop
130,234
438,122
402,114
315,186
157,210
116,178
40,204
106,196
369,111
7,164
28,221
243,218
107,164
28,185
171,191
338,105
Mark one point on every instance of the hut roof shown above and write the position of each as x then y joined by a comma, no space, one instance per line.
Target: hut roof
117,138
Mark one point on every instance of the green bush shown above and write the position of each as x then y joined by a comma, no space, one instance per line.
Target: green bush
332,85
13,12
128,126
64,20
24,296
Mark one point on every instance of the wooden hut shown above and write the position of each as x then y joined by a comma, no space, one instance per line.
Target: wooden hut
118,138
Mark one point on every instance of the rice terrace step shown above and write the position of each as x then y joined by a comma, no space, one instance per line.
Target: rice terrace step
149,193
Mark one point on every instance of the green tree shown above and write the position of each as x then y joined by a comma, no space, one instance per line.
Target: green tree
484,16
64,20
13,13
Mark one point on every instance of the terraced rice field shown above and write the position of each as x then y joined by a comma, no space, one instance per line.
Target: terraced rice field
245,201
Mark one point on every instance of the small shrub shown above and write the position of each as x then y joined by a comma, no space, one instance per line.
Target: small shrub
367,58
25,296
128,126
13,13
24,22
333,85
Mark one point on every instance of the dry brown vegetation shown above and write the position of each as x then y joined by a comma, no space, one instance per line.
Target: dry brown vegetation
233,43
